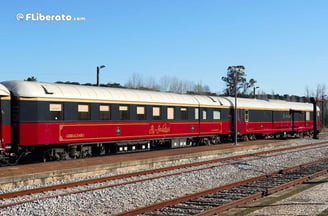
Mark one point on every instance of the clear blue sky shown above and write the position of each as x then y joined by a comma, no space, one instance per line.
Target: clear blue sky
283,44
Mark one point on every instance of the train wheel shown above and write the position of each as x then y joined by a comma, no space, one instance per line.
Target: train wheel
215,140
245,138
45,156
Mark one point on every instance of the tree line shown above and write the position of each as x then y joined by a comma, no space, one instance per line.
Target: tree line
167,84
234,82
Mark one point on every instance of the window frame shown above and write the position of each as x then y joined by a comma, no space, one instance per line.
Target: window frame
141,112
204,114
124,112
197,114
156,113
216,114
83,111
104,113
170,113
184,113
56,108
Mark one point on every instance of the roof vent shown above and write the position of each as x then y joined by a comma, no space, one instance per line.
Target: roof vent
212,99
46,90
216,100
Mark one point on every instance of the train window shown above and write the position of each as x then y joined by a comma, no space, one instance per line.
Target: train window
307,116
83,112
246,115
184,113
124,112
104,111
216,114
156,113
141,113
170,113
286,116
204,114
2,117
196,113
56,111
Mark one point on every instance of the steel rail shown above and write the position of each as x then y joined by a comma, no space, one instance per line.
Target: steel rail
147,172
235,203
110,178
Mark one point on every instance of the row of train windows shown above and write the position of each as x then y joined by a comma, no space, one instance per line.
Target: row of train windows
83,110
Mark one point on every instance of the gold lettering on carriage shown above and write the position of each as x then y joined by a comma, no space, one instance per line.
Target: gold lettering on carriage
159,129
77,135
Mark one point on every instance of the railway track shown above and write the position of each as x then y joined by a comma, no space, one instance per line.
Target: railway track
191,168
220,199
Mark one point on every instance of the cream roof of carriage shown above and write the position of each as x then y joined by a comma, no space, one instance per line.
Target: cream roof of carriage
248,103
68,92
4,91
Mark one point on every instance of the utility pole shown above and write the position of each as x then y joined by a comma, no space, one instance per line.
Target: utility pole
254,91
323,123
315,128
236,70
98,71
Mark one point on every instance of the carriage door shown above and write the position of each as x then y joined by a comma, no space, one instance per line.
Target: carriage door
296,119
307,118
1,123
292,113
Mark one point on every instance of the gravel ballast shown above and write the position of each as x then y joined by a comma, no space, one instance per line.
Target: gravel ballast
309,202
122,198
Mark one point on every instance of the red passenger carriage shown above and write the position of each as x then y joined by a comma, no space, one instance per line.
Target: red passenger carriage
5,126
62,121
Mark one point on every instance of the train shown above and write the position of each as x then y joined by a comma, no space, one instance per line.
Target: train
64,121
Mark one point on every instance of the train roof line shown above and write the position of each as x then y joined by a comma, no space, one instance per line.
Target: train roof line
53,91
